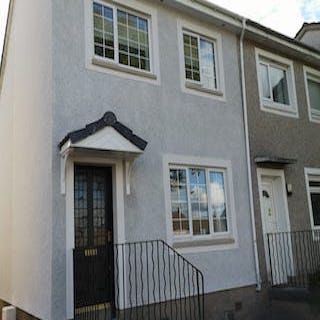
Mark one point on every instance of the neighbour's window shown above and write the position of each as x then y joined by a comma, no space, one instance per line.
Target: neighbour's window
314,198
198,201
275,75
313,94
200,60
121,36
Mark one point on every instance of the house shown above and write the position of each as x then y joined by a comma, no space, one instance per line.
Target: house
125,183
283,102
309,34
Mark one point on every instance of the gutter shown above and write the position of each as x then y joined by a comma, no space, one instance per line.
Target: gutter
247,143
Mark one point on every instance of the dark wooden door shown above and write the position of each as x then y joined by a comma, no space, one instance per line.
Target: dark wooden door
93,253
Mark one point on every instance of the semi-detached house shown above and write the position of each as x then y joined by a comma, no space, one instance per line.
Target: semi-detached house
125,185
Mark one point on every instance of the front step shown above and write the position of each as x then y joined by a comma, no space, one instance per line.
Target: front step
289,294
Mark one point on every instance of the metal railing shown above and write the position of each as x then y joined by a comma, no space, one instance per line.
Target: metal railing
150,281
294,258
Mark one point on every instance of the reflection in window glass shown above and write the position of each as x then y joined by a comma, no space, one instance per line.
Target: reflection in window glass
314,96
103,31
133,41
199,201
218,201
199,67
264,79
274,83
179,201
133,37
192,213
279,86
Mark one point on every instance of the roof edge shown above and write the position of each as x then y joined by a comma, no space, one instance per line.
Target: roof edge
306,27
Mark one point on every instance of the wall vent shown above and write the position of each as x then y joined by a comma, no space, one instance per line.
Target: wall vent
9,313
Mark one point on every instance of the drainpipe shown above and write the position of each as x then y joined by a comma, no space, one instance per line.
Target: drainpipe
245,117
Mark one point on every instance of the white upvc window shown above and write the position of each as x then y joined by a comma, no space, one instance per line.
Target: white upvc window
201,64
199,202
121,36
313,189
312,84
276,84
200,60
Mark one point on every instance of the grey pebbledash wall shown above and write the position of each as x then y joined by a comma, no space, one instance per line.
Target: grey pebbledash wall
281,136
171,121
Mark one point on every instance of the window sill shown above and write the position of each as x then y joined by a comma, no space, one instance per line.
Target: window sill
199,87
122,68
279,109
203,243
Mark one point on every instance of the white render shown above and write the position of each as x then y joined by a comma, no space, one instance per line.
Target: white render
26,161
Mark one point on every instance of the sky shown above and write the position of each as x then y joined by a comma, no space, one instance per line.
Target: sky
284,16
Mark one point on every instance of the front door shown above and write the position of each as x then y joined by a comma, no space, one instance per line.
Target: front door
275,222
93,253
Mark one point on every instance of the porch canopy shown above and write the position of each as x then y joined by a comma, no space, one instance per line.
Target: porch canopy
106,137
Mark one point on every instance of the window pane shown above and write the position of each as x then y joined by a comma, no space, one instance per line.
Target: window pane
315,200
133,32
208,72
191,55
314,94
278,78
199,201
218,201
97,8
179,201
264,81
103,31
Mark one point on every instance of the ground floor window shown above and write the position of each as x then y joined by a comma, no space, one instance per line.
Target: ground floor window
313,185
198,201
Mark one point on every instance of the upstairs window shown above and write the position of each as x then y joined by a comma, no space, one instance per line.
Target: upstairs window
312,80
276,84
199,60
121,36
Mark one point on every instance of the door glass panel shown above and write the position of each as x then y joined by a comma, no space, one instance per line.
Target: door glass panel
81,210
99,213
315,200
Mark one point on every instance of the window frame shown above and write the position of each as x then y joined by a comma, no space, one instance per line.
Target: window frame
213,240
108,65
308,173
201,32
212,233
314,75
269,105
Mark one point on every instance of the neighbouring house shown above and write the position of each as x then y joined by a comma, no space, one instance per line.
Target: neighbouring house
121,122
309,34
283,102
125,187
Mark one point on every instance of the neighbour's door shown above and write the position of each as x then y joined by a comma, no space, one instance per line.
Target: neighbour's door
275,220
93,253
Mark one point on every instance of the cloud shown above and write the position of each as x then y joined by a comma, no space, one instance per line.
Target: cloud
284,16
310,10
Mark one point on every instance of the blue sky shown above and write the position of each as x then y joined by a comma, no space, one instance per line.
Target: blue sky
284,16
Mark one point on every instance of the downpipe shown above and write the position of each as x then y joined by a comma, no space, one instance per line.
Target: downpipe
247,143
